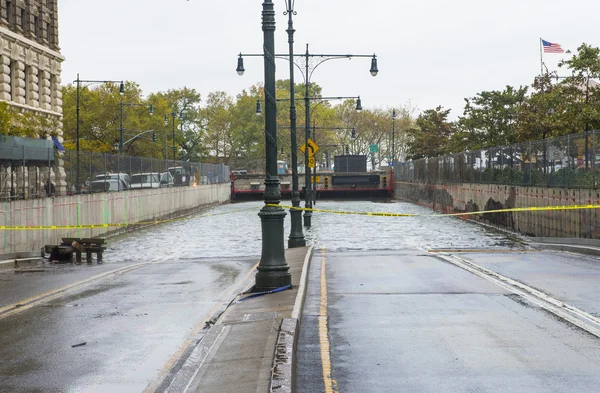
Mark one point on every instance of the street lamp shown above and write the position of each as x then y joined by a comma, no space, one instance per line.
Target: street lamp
311,62
150,109
273,270
258,108
78,106
393,138
173,116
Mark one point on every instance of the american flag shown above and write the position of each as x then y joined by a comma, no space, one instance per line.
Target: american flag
549,47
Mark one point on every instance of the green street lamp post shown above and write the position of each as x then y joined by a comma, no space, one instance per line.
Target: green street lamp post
121,129
173,116
166,121
79,81
393,138
311,62
273,270
296,238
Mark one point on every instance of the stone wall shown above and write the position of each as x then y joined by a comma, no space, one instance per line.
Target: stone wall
468,197
104,208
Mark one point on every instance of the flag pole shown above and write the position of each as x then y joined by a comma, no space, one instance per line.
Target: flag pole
541,58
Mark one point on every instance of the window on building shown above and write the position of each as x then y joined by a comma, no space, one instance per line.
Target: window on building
36,27
23,20
47,31
9,11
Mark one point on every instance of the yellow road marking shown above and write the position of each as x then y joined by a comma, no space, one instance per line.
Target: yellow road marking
26,304
330,383
152,386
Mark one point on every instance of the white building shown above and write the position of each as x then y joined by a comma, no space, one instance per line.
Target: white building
30,64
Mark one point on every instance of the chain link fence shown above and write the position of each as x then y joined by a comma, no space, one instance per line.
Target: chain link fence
567,162
31,173
96,166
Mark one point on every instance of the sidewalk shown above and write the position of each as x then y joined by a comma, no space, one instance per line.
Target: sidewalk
239,354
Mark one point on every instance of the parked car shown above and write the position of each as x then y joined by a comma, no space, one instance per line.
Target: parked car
107,185
124,177
167,180
181,176
145,180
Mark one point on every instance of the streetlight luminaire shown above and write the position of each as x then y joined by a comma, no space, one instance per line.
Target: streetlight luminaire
374,70
240,67
258,108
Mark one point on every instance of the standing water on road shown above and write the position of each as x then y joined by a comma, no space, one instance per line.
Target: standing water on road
234,230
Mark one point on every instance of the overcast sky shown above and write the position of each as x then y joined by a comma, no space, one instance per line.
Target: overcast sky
431,52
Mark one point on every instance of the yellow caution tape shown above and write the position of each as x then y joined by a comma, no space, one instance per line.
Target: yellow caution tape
369,214
94,226
381,214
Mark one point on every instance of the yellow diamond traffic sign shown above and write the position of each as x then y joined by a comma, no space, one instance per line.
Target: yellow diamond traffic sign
313,148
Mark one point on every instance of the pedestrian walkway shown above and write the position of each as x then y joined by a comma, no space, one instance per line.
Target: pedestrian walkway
237,354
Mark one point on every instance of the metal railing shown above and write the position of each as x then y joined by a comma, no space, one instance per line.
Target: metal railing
554,162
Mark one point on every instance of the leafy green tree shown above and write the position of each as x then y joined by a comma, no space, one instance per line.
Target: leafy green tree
431,136
185,103
491,116
585,68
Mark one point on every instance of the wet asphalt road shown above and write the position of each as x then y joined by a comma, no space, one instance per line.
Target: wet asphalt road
400,319
409,322
133,324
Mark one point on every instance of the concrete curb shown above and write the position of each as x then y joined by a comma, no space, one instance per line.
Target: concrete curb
17,263
579,249
283,372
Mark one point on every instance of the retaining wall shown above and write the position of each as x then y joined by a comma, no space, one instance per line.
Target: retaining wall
131,206
468,197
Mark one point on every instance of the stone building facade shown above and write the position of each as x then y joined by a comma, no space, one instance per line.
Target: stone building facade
30,64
